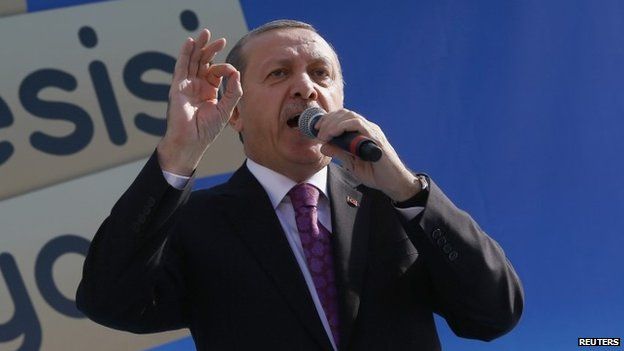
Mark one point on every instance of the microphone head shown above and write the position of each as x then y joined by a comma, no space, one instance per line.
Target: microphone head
308,119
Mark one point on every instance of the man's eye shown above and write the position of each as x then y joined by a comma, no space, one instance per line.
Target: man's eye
321,73
278,73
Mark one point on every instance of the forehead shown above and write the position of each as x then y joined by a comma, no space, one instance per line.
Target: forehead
283,44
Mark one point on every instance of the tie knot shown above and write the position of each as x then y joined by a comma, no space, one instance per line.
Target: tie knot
303,195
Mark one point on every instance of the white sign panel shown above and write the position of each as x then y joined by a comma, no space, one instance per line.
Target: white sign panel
83,95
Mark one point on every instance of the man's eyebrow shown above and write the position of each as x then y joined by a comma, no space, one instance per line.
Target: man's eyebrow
320,56
285,61
275,62
323,59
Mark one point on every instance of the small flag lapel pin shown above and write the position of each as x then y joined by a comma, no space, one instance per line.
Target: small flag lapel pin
352,202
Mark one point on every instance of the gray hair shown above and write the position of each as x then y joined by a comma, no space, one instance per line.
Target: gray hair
236,58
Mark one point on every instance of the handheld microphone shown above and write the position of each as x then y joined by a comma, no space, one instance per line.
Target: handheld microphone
352,142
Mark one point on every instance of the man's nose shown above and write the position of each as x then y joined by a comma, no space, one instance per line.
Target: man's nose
303,87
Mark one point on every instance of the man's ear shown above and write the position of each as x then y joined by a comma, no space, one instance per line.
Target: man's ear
236,122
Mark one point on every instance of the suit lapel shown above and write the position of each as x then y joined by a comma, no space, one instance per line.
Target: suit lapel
250,210
350,230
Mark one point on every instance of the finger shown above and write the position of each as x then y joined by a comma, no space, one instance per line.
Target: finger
208,54
328,120
330,150
345,123
233,91
211,50
344,158
213,77
200,42
217,71
180,72
350,125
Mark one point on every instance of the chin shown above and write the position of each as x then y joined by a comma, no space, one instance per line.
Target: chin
311,158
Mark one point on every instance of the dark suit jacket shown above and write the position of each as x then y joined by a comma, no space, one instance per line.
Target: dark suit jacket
219,264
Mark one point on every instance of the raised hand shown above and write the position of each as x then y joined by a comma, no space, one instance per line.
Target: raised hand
194,115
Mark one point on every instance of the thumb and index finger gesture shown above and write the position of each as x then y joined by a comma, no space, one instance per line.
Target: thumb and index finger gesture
195,115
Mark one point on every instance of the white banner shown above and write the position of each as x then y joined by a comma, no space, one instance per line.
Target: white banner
82,104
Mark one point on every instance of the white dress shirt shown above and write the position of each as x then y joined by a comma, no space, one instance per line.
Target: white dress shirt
277,187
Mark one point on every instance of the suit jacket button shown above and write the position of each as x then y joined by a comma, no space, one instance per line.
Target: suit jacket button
453,256
151,201
441,241
436,233
447,248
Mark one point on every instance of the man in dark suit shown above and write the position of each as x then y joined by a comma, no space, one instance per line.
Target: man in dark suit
293,252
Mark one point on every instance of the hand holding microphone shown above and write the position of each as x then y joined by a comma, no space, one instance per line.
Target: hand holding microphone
352,142
363,156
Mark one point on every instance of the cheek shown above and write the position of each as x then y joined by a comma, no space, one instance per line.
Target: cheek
334,98
262,129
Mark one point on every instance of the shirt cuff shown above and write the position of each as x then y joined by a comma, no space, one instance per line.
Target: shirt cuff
410,213
175,180
414,206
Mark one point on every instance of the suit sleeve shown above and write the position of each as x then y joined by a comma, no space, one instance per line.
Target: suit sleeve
131,275
475,287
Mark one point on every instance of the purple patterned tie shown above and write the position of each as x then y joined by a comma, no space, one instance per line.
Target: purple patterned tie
318,250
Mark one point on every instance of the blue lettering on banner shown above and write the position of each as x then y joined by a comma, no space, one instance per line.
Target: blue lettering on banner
28,93
24,321
78,139
6,120
104,91
135,68
48,255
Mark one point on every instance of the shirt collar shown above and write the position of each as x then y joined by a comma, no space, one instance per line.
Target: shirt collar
278,185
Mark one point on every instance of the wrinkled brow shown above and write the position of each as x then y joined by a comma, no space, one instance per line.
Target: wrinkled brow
287,61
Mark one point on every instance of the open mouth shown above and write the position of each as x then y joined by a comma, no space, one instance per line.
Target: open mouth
293,122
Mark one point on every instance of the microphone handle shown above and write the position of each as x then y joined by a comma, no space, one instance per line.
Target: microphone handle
358,145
